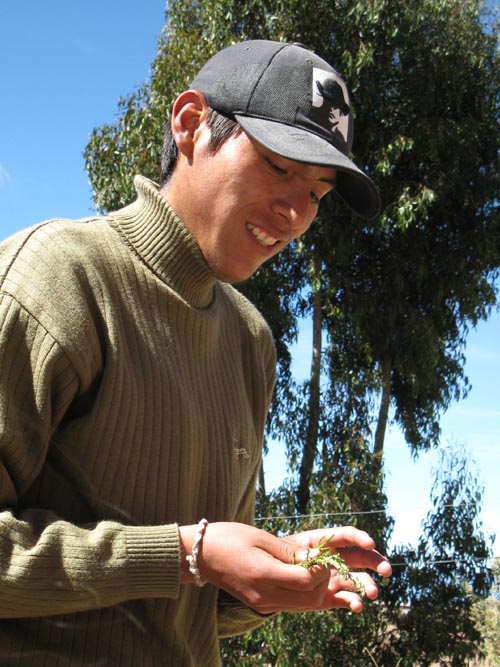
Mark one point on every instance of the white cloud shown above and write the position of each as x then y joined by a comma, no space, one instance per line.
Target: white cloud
5,177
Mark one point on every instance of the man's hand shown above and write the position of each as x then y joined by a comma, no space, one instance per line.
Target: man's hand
262,570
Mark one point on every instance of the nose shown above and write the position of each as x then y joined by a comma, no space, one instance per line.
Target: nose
295,206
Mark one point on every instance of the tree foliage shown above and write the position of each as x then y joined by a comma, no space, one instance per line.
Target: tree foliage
438,576
486,616
415,283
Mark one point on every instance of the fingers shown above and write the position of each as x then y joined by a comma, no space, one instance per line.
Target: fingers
340,593
347,600
361,559
346,590
364,585
341,536
355,546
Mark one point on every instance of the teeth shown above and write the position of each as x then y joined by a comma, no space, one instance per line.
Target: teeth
261,236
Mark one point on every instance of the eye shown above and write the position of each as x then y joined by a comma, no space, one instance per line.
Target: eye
275,167
315,199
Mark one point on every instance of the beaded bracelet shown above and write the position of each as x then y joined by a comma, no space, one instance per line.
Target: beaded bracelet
193,558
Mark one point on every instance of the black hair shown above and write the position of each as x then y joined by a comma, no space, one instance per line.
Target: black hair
221,128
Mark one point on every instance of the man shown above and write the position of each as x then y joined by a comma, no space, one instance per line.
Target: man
135,382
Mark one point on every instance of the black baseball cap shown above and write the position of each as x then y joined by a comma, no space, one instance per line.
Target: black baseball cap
295,104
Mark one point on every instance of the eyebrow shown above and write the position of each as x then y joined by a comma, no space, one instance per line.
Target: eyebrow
330,181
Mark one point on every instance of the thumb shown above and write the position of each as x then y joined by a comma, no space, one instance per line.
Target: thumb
291,552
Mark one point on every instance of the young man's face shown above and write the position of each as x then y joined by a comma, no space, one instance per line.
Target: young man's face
244,204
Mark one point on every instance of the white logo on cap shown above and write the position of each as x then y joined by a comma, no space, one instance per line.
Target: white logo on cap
331,92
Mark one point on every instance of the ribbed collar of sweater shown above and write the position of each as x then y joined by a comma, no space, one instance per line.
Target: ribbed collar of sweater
158,236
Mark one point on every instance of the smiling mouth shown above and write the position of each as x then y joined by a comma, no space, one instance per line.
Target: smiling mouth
262,237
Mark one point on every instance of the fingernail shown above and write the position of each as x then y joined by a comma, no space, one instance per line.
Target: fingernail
307,554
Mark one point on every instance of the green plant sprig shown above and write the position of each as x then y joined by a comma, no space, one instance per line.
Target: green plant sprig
325,558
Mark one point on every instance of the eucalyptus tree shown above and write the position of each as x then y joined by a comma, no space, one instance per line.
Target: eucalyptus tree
439,579
413,285
486,616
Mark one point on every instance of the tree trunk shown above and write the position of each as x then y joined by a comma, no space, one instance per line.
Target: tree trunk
262,480
378,449
310,445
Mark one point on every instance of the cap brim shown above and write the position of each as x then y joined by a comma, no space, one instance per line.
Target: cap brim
354,186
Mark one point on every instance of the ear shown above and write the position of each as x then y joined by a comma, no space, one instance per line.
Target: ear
189,113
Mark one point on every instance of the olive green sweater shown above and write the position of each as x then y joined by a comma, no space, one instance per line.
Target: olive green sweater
134,389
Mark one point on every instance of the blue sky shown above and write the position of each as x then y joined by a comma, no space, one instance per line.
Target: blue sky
64,66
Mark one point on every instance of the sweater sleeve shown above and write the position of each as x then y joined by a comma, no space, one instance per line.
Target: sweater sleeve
49,565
